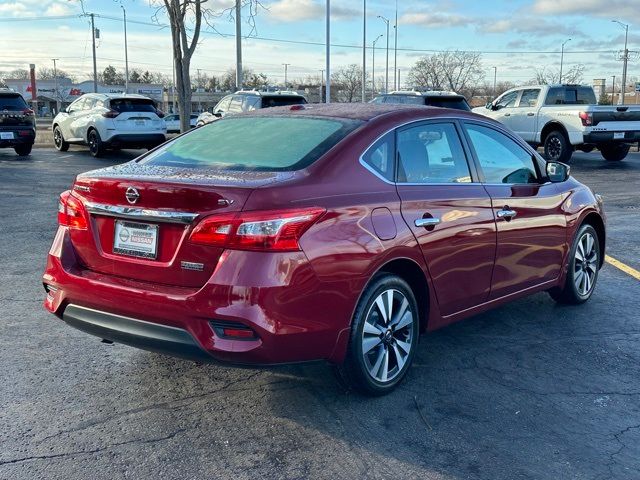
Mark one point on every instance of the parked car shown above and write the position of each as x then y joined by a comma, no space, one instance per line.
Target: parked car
380,222
173,122
563,118
17,123
106,120
246,101
433,98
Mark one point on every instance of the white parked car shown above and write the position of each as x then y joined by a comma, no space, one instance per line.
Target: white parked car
173,122
563,118
104,120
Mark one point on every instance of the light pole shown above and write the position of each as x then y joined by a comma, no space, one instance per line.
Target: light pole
286,65
373,66
95,68
613,88
321,83
239,78
386,77
126,54
395,49
55,77
495,76
364,51
328,51
562,57
625,57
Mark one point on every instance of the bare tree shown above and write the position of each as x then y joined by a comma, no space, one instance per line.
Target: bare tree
549,75
451,70
347,82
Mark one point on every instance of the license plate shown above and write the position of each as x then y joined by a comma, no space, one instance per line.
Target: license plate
618,135
140,122
6,136
135,239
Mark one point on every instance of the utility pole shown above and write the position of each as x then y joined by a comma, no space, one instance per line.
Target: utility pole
613,88
395,49
126,53
286,65
321,83
364,51
495,77
398,79
625,58
328,52
95,67
373,63
55,76
562,58
238,46
386,78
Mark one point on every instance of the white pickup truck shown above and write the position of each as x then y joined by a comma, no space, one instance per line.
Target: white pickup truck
564,118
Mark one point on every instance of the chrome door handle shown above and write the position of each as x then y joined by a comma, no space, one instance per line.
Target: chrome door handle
506,214
426,222
507,114
530,114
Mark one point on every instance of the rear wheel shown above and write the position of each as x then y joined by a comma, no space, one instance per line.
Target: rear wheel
584,263
23,150
557,147
384,336
614,152
58,140
96,147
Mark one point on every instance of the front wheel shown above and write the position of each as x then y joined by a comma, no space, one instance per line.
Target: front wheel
557,147
384,337
615,152
584,263
59,141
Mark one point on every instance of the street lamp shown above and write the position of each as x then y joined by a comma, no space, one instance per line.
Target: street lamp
562,57
364,51
386,77
126,54
55,77
373,76
623,87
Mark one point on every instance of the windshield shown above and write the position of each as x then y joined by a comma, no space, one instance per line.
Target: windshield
132,105
254,143
12,102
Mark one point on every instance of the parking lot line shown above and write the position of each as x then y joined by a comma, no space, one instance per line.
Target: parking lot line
621,266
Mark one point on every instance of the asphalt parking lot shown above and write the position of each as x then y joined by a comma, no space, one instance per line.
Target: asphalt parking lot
530,390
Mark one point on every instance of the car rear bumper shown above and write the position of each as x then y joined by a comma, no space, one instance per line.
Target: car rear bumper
277,296
136,140
595,138
21,136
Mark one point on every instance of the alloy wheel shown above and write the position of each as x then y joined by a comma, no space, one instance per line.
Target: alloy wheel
57,138
93,142
585,264
387,337
554,148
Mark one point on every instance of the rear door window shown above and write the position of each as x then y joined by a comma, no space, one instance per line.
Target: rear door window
12,102
123,105
529,97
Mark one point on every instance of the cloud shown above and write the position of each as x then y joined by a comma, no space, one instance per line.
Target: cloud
300,10
597,8
15,9
58,8
436,20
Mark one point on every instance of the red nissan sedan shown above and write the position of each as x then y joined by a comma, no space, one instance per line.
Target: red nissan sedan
334,232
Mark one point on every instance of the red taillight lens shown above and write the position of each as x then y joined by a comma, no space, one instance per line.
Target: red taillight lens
586,118
274,230
27,112
111,114
71,212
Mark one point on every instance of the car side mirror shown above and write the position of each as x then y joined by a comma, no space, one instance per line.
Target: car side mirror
218,113
67,110
489,106
557,172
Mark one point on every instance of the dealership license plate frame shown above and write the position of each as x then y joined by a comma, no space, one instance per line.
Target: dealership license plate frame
618,135
124,246
7,136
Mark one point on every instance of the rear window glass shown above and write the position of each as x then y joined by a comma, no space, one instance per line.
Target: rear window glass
132,105
12,102
570,96
254,143
444,102
281,101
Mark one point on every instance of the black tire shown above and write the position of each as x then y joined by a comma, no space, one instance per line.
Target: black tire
23,150
96,147
59,141
557,147
615,152
384,348
571,292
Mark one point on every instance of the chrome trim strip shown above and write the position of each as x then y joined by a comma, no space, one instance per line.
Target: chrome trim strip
133,213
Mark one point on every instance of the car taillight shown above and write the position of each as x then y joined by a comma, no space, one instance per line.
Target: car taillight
272,230
586,118
111,114
27,112
71,212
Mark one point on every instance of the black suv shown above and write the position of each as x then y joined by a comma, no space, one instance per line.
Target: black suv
244,101
433,98
17,123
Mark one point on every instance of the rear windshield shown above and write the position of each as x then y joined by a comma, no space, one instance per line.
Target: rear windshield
12,102
132,105
281,101
456,103
253,143
570,96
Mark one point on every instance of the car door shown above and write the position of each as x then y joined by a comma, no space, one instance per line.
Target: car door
449,212
524,117
80,123
530,222
504,107
66,123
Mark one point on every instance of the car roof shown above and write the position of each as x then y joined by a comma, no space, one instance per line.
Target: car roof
428,93
278,93
116,96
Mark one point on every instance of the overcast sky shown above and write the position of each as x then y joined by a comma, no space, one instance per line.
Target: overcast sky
517,27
